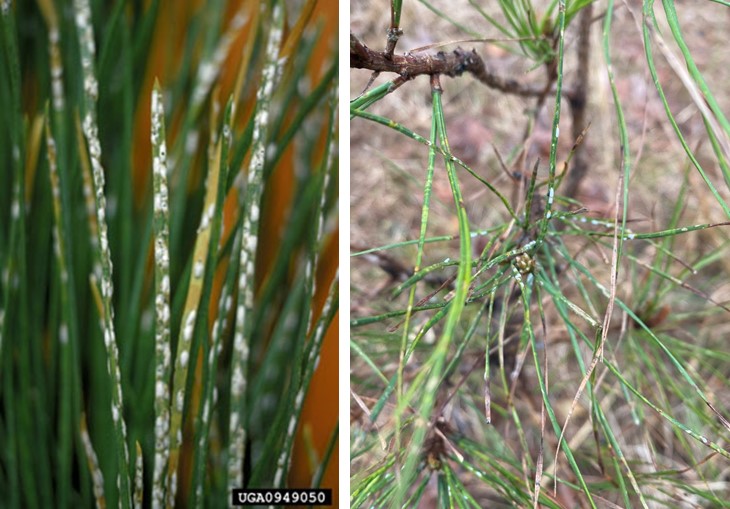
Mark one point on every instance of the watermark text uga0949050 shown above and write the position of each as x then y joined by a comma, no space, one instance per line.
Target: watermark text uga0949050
253,496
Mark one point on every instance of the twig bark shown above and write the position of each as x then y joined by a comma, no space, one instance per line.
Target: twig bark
578,99
451,64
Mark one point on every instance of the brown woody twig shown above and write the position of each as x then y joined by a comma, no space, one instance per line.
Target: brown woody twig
454,63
